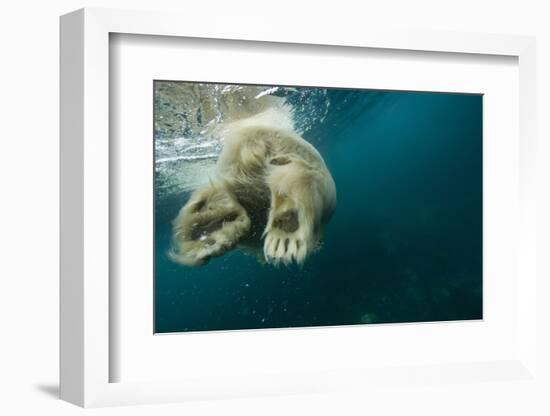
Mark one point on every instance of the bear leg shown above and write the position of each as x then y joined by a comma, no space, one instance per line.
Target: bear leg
211,223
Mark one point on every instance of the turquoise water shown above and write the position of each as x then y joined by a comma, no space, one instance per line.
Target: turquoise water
405,242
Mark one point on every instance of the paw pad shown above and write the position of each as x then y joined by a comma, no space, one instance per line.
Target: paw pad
288,221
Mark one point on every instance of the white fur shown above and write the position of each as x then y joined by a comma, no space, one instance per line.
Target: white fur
269,178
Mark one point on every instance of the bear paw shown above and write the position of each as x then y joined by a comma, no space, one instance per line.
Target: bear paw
210,224
286,239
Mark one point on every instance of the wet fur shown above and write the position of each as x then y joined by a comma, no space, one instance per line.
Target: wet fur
272,196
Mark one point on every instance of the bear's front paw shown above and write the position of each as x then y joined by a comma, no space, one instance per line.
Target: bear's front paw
286,239
211,223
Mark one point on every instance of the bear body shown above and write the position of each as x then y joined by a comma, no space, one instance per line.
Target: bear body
272,196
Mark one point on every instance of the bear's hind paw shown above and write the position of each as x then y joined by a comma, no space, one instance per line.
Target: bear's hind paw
209,225
285,239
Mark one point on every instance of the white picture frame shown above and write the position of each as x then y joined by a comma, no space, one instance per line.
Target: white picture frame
86,303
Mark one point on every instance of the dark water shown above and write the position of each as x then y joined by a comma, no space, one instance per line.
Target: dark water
405,243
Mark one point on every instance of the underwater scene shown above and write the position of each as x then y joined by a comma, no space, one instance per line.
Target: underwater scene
279,207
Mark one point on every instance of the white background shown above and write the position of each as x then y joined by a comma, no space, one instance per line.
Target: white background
29,175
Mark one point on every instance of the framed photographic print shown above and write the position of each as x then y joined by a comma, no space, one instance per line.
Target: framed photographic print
271,214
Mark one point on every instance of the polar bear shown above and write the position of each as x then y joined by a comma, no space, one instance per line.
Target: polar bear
272,190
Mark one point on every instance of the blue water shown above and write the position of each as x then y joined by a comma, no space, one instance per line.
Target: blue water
405,242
